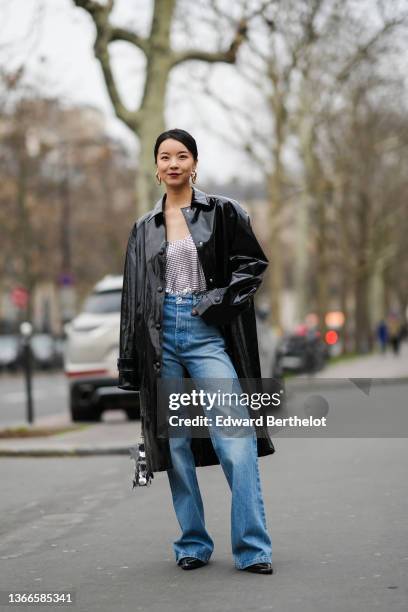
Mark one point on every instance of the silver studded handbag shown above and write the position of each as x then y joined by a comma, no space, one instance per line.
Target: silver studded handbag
142,477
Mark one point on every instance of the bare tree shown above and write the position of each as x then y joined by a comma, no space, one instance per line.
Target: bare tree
309,62
148,120
59,170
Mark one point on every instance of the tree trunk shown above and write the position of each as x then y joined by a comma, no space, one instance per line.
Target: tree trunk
301,258
275,198
363,331
147,122
322,264
25,233
274,252
147,189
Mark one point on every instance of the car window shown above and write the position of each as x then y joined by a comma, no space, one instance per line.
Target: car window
103,302
9,341
44,341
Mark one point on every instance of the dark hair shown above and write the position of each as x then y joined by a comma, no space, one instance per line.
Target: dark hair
181,136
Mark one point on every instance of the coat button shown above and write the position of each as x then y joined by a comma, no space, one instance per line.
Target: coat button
158,326
157,364
200,244
211,280
217,299
160,289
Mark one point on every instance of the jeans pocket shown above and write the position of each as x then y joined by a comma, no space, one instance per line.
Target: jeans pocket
197,297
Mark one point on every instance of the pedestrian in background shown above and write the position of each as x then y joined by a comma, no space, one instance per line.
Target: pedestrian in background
394,330
382,335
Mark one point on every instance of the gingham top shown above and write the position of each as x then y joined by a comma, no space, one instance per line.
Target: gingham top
184,273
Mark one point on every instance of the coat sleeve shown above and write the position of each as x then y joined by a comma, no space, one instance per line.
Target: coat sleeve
127,363
247,264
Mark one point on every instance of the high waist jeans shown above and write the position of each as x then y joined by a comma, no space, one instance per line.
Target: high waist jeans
189,341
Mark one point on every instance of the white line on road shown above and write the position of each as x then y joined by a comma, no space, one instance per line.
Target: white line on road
17,397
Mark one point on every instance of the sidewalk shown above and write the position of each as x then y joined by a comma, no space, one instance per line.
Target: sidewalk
372,366
115,436
111,436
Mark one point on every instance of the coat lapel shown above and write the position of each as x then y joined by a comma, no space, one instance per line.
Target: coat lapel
155,238
156,229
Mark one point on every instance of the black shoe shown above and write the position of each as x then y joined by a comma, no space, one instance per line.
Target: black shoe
189,563
259,568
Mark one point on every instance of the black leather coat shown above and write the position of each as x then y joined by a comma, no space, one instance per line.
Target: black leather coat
233,264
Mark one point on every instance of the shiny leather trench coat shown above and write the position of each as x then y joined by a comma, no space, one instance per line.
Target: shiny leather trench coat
233,264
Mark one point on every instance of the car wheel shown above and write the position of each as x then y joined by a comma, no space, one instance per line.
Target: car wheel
81,410
85,414
277,370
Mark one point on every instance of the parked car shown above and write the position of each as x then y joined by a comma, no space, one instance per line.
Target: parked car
92,349
302,353
44,351
60,347
91,352
10,351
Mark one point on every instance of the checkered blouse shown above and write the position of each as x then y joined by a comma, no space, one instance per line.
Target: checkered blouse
184,273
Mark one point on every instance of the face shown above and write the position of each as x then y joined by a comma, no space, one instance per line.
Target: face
175,163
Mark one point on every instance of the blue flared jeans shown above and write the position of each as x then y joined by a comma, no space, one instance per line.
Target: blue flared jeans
190,342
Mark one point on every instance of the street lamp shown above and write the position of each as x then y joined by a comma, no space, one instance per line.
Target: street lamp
26,330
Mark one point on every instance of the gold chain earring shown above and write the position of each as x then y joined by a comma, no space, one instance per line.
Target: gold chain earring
194,176
158,178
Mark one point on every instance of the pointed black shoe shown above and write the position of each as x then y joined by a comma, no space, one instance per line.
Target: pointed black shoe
259,568
190,563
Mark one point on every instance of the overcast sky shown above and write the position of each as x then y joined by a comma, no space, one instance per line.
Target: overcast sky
63,39
62,36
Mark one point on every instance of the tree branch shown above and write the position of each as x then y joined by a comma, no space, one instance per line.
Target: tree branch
93,8
229,56
308,37
364,50
123,113
104,32
232,113
125,35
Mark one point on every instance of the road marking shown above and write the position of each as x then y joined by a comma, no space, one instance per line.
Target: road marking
17,397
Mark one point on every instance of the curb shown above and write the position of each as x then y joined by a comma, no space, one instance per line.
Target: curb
82,451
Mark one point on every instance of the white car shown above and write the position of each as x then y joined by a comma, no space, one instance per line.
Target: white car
92,349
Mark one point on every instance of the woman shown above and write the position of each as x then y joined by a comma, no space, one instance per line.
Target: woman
192,267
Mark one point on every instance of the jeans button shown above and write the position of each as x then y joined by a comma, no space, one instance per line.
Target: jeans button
194,312
158,326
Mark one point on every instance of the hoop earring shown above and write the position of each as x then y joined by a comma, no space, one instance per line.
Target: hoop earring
158,179
194,176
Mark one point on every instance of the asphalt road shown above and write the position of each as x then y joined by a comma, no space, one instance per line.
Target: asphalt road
50,396
51,389
336,509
